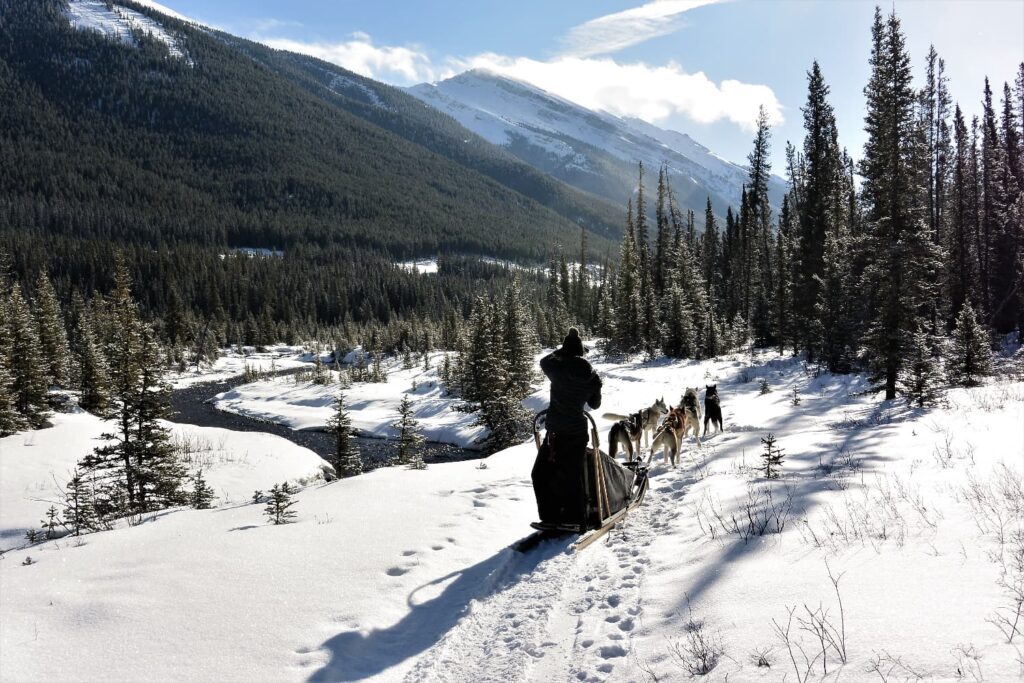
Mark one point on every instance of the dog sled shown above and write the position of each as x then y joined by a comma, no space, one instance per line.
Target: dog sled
611,489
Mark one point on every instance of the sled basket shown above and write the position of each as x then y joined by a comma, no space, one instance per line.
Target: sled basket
611,488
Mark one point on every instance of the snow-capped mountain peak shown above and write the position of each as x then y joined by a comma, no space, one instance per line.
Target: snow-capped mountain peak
593,150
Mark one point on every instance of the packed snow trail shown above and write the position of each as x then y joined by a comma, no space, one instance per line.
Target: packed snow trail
552,613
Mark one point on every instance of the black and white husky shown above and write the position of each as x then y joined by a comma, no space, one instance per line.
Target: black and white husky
648,417
712,409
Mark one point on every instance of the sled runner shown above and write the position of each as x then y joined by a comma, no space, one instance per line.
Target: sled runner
611,490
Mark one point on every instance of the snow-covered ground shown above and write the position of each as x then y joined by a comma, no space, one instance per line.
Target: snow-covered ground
372,407
121,23
35,466
232,364
406,575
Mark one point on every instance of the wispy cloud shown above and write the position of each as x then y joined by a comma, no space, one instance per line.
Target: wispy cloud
613,32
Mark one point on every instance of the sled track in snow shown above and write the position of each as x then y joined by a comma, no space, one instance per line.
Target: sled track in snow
554,615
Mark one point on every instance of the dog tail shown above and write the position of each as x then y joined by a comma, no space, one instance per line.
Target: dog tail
614,416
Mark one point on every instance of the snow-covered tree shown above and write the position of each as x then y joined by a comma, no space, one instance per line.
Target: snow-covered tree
771,457
970,359
201,497
92,371
53,338
920,379
24,361
79,515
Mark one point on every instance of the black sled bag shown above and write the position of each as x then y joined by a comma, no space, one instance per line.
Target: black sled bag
618,483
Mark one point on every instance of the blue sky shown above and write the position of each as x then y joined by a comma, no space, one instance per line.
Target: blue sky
696,66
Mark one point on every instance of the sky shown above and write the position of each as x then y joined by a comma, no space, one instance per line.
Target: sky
701,67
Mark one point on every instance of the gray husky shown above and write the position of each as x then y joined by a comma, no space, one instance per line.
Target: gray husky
691,414
648,418
625,434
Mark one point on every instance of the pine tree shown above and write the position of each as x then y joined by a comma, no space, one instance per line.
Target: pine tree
920,380
138,469
50,524
784,267
820,212
962,218
409,437
346,460
11,420
93,373
53,339
24,361
901,270
201,496
79,515
279,504
626,334
771,458
971,359
519,343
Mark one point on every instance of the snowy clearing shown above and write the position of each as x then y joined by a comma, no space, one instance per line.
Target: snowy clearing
232,364
34,466
406,575
120,23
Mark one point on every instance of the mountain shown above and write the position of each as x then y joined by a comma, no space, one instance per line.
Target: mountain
123,124
399,112
594,151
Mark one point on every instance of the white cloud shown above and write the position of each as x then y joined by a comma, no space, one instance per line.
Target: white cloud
403,65
613,32
651,93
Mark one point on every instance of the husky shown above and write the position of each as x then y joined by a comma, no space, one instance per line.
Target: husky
649,419
625,433
691,414
712,409
667,438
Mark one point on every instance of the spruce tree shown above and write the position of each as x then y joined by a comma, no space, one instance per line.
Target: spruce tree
409,437
11,420
920,380
520,344
279,504
24,362
137,469
626,332
902,261
346,460
53,339
771,457
93,374
970,359
79,515
201,497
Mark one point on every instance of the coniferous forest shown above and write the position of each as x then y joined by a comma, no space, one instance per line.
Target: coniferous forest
868,265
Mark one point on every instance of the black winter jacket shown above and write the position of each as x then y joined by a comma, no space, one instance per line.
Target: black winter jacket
574,385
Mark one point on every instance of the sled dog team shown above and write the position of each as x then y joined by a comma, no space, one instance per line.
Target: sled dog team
665,435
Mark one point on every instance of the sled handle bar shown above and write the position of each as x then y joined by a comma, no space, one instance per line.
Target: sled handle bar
536,428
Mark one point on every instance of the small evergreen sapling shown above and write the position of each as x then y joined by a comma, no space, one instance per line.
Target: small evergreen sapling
765,387
257,497
79,515
201,497
51,522
794,397
32,536
278,509
771,457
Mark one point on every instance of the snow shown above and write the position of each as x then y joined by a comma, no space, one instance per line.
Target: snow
373,407
502,110
121,23
421,266
339,83
405,575
232,364
34,466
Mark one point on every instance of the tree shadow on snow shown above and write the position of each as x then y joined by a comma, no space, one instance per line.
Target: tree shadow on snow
356,655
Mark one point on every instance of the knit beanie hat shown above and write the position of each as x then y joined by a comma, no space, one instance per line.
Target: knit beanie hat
572,345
